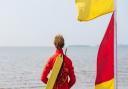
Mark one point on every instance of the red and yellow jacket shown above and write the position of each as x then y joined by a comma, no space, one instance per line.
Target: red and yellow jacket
66,77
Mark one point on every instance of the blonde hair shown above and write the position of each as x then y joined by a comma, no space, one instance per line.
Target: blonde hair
59,41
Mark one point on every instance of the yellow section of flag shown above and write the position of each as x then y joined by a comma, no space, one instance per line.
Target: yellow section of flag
90,9
106,85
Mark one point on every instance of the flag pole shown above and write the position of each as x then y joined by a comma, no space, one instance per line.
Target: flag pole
115,46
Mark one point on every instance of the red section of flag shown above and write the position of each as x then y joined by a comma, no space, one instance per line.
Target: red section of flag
105,58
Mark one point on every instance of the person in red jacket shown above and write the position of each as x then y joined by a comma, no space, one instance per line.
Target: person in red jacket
66,78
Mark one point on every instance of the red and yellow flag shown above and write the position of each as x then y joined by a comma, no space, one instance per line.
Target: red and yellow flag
90,9
105,60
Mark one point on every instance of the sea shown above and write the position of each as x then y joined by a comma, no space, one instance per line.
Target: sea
21,67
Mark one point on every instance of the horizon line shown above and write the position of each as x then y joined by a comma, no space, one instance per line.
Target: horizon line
64,46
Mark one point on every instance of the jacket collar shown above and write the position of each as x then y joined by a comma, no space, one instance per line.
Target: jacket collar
59,51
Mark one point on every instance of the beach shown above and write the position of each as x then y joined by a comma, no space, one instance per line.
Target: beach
21,67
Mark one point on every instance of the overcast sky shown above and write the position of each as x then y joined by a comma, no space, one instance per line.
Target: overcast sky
36,22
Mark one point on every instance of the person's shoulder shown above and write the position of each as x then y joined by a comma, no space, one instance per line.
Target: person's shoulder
52,57
68,59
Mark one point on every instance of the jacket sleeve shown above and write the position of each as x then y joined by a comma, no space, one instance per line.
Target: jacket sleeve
71,76
46,71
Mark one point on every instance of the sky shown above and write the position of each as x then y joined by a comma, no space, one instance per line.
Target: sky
36,22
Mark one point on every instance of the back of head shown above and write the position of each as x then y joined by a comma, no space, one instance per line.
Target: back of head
59,41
